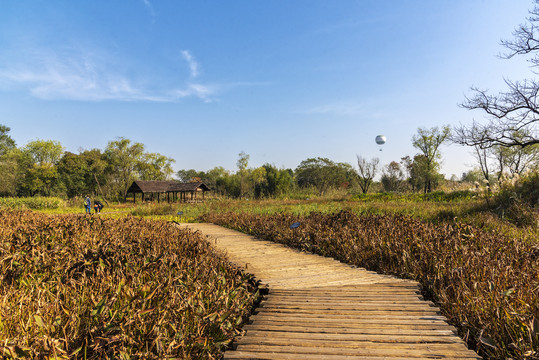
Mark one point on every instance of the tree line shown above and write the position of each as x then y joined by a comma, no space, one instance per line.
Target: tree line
42,167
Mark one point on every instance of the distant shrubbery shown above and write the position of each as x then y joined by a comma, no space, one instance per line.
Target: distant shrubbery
436,196
34,203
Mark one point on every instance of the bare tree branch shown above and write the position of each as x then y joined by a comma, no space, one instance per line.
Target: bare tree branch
512,115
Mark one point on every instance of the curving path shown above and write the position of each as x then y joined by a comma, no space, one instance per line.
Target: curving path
319,308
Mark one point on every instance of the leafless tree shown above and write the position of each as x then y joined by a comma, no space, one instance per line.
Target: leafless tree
367,172
482,156
515,111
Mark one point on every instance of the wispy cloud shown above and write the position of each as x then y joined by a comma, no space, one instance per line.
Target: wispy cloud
87,77
150,8
193,65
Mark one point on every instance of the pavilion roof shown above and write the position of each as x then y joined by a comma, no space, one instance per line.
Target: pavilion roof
156,186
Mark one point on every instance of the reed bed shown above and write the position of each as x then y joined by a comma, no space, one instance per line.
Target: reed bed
487,285
128,288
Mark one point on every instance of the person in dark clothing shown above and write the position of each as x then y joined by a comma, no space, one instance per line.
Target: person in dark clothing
97,206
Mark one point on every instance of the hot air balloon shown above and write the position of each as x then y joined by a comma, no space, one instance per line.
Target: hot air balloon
381,140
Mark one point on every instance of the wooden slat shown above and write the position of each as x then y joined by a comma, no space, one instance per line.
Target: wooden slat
425,351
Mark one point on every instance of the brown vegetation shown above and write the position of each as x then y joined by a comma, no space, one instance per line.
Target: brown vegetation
487,285
87,287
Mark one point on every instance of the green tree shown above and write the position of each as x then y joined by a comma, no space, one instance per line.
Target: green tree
323,174
276,182
44,151
10,172
392,177
123,159
428,141
6,142
154,166
38,163
8,163
83,173
190,175
242,163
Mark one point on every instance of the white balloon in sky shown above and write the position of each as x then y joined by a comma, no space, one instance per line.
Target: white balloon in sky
381,139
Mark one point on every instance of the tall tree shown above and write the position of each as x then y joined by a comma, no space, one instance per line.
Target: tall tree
324,174
428,141
154,166
8,163
6,142
83,173
39,160
44,151
392,177
123,159
242,163
513,110
367,171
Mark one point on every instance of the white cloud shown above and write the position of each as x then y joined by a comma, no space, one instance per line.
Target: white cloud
200,91
193,65
88,77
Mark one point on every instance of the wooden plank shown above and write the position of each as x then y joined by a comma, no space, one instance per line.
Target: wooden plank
363,311
344,321
426,351
363,344
351,318
345,302
372,329
256,335
260,355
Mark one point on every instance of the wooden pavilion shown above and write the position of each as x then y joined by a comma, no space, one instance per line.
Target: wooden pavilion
171,190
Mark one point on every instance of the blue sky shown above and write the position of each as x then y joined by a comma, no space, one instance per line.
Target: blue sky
200,81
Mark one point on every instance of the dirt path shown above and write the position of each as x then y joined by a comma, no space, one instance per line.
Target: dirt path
319,308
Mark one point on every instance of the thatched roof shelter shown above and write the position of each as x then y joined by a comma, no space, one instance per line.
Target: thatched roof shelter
171,188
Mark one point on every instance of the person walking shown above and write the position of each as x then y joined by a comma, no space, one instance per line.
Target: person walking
88,204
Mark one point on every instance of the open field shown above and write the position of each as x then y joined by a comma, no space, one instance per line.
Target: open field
469,211
479,267
97,288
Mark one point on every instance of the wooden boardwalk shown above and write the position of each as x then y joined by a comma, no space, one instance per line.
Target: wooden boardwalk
319,308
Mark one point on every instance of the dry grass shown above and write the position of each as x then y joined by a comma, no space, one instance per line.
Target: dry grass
94,288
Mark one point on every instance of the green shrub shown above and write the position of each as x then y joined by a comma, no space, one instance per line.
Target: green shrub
34,203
